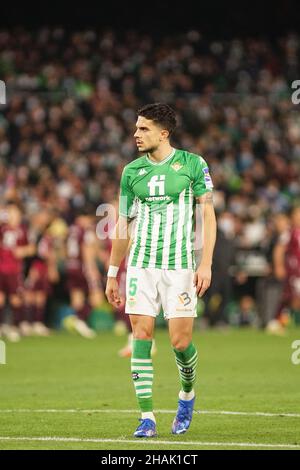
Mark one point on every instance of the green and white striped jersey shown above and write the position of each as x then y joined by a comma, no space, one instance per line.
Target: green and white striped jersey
162,198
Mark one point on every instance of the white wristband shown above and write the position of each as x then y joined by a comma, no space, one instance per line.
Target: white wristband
112,271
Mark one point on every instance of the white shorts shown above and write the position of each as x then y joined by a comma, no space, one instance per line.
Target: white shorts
150,289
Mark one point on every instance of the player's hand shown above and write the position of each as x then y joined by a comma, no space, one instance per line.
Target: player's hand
112,292
19,252
202,279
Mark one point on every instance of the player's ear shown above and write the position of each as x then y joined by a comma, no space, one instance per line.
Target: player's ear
164,134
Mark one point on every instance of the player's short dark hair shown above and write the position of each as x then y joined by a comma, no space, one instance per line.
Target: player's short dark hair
161,113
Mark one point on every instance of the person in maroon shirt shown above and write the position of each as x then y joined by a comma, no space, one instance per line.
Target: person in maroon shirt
41,274
83,277
14,247
287,266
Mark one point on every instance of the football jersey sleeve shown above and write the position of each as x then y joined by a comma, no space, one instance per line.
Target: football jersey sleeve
127,197
201,180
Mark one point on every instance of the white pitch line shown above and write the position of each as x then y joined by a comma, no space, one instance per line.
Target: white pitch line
203,412
149,441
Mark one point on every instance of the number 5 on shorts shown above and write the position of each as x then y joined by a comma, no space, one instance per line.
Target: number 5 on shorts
133,286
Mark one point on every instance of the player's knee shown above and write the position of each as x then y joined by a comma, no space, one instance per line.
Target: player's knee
15,301
2,300
142,334
40,299
180,343
77,305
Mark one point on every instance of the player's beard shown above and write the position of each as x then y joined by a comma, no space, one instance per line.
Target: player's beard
150,150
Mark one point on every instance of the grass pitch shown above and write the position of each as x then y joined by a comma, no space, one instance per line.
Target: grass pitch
65,392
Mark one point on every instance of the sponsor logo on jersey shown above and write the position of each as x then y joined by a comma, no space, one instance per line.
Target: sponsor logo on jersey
207,178
157,182
176,166
142,172
157,198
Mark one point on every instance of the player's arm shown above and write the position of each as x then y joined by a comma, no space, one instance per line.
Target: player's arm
202,188
120,237
279,258
26,249
202,278
89,257
120,241
120,245
52,266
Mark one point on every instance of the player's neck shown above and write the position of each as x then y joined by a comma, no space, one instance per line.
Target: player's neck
161,153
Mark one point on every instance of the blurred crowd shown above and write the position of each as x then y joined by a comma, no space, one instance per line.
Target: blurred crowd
66,133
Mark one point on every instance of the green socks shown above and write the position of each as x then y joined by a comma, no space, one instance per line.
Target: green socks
142,373
187,362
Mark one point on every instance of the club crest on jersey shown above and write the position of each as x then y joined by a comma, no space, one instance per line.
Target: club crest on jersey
176,166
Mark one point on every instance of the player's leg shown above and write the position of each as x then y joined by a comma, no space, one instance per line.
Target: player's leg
40,305
39,326
78,303
26,325
30,287
16,305
179,302
96,296
143,306
78,322
2,305
180,330
186,359
142,368
12,288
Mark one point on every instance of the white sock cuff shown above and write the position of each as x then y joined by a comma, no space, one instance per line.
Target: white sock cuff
186,395
149,415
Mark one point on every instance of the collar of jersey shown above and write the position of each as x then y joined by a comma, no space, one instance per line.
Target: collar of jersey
163,161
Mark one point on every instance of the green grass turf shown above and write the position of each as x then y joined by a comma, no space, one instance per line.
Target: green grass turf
239,370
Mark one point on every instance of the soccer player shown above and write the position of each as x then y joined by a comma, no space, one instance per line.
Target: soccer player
161,189
83,277
287,268
14,247
42,272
